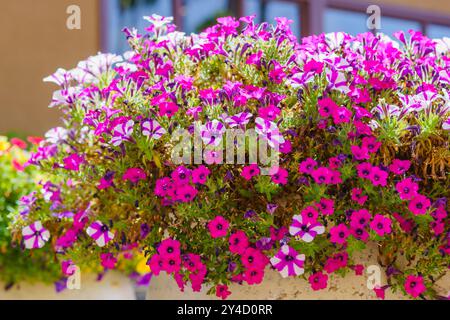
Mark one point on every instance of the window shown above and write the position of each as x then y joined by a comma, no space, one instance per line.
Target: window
390,25
346,21
199,14
438,31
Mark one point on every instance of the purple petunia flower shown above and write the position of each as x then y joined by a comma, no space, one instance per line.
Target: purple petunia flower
152,129
288,262
238,120
269,131
212,133
100,233
35,235
307,231
122,132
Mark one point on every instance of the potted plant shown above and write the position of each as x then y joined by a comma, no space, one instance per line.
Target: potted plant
239,152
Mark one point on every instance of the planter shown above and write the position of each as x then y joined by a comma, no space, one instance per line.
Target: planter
274,287
114,286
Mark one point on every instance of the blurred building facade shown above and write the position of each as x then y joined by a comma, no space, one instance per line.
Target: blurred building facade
37,41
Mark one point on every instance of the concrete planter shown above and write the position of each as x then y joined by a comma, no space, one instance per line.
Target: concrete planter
274,287
114,286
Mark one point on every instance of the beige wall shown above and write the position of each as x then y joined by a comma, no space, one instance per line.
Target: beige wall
34,43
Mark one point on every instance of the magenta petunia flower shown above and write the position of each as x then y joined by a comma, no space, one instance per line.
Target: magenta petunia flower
218,227
35,235
407,189
318,281
360,233
163,187
339,233
278,175
171,264
181,175
134,175
250,171
378,177
100,233
358,197
167,108
156,264
399,166
288,262
419,204
306,231
254,276
364,170
276,74
307,166
326,206
186,193
253,259
381,225
200,175
169,247
341,115
309,214
360,153
73,162
326,107
414,285
322,175
269,113
238,242
371,144
222,291
152,129
360,218
108,261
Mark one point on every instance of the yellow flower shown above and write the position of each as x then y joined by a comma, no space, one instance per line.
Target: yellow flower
142,267
4,144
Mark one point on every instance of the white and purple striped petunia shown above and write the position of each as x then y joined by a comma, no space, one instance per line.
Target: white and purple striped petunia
212,132
288,262
269,131
306,231
238,120
35,235
61,77
446,124
122,132
100,233
151,128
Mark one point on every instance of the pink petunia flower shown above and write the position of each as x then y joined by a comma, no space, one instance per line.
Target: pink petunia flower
307,166
339,233
278,175
35,235
186,193
254,275
200,175
253,259
326,206
360,218
269,113
341,115
238,242
108,261
407,189
100,233
163,187
360,153
378,177
419,204
322,175
364,170
169,247
134,175
250,171
358,197
381,225
122,132
318,281
288,262
222,291
309,214
371,144
326,107
73,162
414,285
218,227
167,108
156,264
399,166
181,175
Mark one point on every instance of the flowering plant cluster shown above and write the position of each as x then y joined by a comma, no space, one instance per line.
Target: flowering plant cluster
15,180
359,125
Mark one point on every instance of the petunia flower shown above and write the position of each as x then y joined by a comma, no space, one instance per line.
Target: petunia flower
339,234
414,285
122,132
169,247
269,113
35,235
318,281
100,233
381,225
278,175
253,276
399,166
73,162
108,261
250,171
200,175
407,189
341,115
322,175
419,204
269,131
218,227
238,242
307,166
134,175
306,231
326,206
212,132
378,177
360,218
358,197
222,291
238,120
288,262
152,129
253,259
